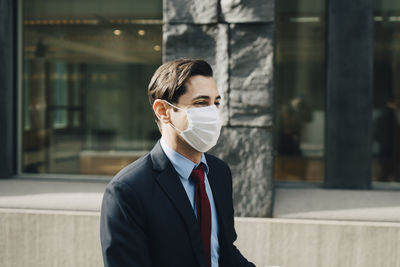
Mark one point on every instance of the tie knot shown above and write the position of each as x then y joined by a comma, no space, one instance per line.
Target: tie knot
197,174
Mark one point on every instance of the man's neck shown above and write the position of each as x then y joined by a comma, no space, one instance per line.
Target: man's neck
181,147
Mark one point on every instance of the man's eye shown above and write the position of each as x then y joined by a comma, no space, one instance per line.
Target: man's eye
201,103
217,104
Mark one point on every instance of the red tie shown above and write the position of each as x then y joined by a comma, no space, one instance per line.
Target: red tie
203,209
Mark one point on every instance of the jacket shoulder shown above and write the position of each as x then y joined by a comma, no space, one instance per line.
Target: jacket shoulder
136,174
217,162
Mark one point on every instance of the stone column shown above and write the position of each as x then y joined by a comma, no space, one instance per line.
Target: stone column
236,38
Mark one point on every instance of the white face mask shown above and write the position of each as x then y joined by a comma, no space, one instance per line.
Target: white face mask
204,127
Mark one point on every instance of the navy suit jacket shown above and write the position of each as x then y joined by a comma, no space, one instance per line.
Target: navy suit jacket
147,219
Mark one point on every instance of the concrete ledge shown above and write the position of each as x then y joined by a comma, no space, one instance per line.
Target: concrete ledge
65,238
351,205
297,243
55,223
49,238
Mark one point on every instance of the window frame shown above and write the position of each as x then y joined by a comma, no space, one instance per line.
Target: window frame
8,83
349,69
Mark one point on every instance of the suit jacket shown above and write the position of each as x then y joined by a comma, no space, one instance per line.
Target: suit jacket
147,218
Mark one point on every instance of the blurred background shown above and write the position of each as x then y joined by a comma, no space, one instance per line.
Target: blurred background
311,121
86,66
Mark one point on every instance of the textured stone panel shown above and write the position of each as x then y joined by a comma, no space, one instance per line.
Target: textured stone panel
251,75
239,11
209,42
196,11
248,151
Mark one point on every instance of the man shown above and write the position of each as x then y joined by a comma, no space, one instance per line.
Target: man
173,207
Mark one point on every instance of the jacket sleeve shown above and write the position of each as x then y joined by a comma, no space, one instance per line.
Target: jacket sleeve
122,228
238,258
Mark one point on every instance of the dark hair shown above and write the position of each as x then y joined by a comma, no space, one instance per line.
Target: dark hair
168,82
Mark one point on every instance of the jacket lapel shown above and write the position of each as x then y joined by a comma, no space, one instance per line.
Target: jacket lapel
169,182
217,188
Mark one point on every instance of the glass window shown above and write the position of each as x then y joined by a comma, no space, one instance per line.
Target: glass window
86,67
300,90
386,106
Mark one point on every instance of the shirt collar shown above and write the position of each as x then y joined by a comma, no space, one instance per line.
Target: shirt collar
182,165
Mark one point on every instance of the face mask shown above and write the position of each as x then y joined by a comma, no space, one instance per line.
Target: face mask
204,126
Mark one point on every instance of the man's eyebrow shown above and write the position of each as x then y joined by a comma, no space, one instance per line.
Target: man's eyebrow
205,97
201,96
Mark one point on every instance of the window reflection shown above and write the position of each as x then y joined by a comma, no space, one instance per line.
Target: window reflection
86,66
300,90
386,111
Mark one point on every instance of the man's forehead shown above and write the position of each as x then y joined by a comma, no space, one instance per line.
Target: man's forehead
201,85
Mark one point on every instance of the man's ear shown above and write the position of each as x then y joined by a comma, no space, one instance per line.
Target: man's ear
162,111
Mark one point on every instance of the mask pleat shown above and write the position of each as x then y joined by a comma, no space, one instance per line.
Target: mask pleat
207,125
193,140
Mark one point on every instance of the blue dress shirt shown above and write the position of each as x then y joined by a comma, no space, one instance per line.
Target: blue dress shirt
184,167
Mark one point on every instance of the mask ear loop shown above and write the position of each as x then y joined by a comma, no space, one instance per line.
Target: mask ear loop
173,126
179,131
174,106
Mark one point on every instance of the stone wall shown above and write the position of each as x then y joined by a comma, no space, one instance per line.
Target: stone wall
236,38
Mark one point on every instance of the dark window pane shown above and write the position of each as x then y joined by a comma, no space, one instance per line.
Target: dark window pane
300,90
386,111
86,67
